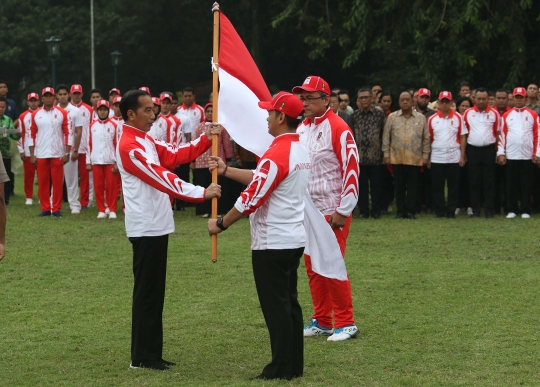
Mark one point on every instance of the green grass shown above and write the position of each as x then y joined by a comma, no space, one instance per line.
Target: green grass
439,302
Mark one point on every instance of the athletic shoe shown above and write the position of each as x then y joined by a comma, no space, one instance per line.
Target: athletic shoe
511,215
101,215
525,216
29,201
45,213
107,211
469,211
345,333
315,329
73,212
152,365
57,214
112,215
458,210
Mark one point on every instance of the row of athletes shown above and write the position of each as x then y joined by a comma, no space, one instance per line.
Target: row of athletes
68,139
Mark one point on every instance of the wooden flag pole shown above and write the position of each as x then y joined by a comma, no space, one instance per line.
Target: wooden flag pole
215,93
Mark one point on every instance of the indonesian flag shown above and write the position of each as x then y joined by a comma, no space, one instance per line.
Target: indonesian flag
241,87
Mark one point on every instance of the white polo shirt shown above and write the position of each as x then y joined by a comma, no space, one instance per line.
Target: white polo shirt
445,135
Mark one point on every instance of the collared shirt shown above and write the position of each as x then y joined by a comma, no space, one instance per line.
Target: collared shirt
225,150
75,120
519,135
194,114
445,134
49,132
5,143
482,126
534,107
87,114
406,140
368,129
101,148
25,120
427,113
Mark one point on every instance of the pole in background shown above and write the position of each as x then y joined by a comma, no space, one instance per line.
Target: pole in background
92,64
53,48
116,57
215,91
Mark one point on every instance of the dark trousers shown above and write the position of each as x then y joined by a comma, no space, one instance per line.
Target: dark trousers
518,174
203,178
535,187
500,188
276,277
387,194
425,192
442,174
481,162
464,194
370,182
406,182
182,171
9,185
149,271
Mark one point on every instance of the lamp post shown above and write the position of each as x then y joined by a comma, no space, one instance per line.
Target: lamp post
53,46
116,57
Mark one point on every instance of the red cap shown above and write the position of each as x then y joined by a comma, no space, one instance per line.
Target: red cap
312,84
76,89
520,91
144,88
103,102
445,95
165,96
156,101
48,90
115,90
32,95
424,91
284,102
116,100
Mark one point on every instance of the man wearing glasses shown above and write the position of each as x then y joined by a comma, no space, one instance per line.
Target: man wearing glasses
333,187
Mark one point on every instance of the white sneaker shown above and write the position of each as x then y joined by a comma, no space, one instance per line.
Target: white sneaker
525,216
469,211
345,333
29,201
107,211
315,329
458,210
75,211
112,215
101,215
511,215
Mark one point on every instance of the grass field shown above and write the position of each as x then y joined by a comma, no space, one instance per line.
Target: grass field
439,302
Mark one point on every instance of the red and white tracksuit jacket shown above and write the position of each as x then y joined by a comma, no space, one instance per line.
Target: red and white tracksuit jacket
119,121
162,130
333,187
519,135
102,142
445,135
275,196
147,182
49,132
176,127
86,114
191,117
482,126
25,120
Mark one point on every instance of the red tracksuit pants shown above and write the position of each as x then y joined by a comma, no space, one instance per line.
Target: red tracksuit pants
84,181
29,174
50,170
105,183
331,295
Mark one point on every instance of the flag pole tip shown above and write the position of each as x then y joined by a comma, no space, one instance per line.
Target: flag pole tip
215,7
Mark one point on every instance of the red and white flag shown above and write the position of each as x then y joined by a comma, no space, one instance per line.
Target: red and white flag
241,87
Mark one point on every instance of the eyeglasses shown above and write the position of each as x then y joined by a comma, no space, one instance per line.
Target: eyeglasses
309,100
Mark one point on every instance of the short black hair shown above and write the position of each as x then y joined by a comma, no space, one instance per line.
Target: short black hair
188,89
386,93
2,82
332,94
62,86
292,123
343,91
464,84
3,99
364,90
491,94
96,91
482,90
130,101
463,99
502,91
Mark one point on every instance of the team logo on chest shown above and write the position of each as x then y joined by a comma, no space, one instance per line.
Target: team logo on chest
319,136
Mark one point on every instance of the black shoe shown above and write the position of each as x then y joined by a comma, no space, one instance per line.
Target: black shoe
476,215
152,365
363,216
167,363
489,215
45,213
57,214
400,216
451,216
376,216
410,215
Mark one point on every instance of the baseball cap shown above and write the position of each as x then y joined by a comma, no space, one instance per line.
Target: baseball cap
32,96
116,100
424,91
165,96
284,102
311,84
115,90
103,102
144,88
156,101
520,91
48,90
76,89
445,95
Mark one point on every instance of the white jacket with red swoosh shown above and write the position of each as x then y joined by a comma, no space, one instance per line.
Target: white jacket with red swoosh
519,135
144,165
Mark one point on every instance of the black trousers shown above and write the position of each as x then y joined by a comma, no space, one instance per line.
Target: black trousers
500,188
276,277
370,182
481,162
182,171
149,271
535,187
387,195
203,178
406,182
442,174
464,192
518,174
9,185
425,192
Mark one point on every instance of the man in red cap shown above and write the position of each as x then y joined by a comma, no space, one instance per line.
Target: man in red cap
80,143
25,120
175,129
333,186
274,199
517,147
50,149
113,93
448,143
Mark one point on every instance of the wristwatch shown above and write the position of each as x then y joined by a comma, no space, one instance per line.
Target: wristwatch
67,154
219,223
76,150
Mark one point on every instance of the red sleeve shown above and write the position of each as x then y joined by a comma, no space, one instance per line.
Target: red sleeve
65,126
497,124
171,155
115,128
430,129
535,132
33,127
202,112
466,121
